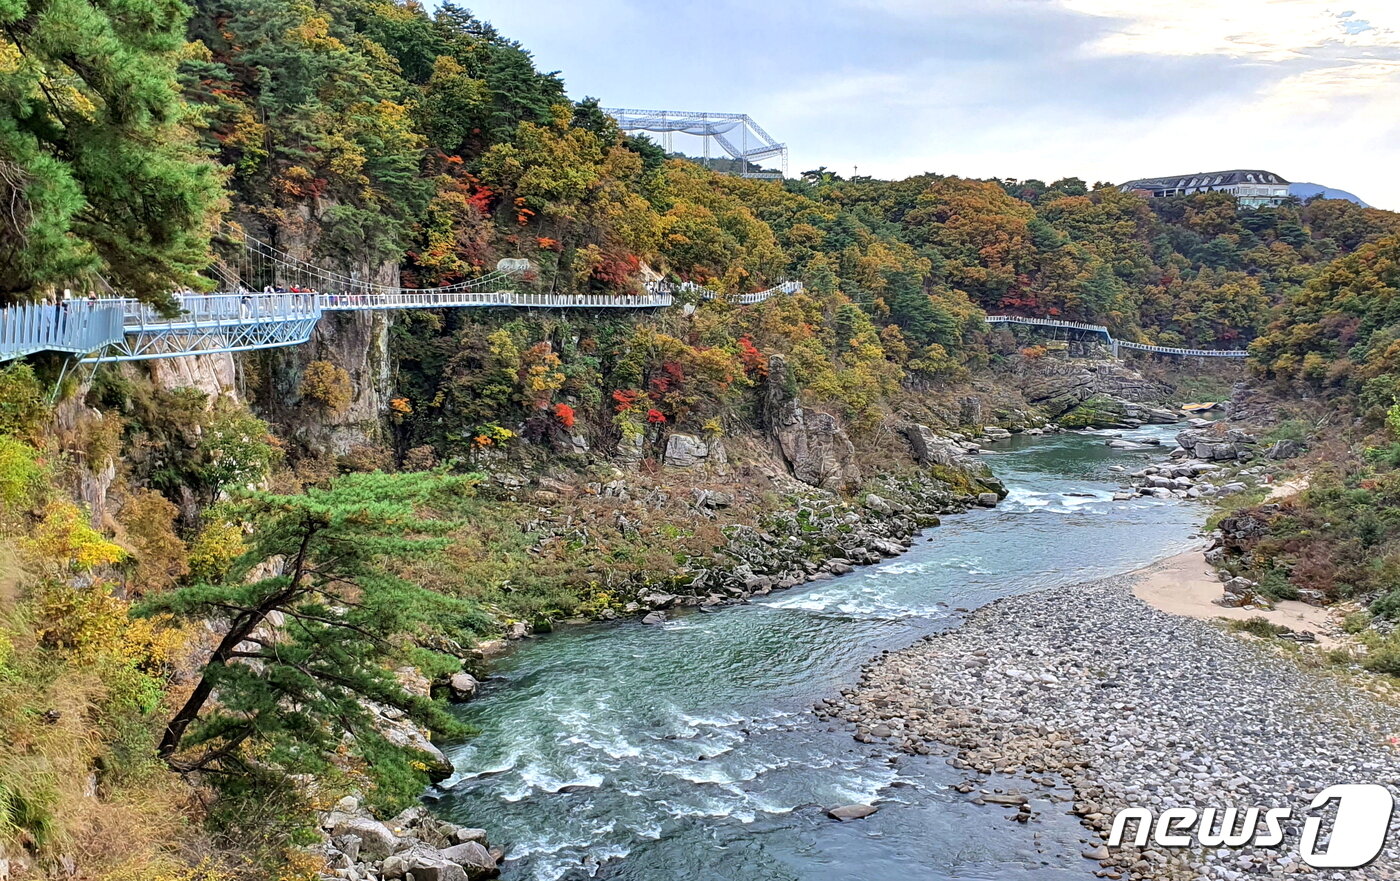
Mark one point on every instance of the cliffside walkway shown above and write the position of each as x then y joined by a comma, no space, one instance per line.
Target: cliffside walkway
117,329
1116,344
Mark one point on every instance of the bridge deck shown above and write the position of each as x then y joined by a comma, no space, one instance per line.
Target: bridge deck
129,330
1116,344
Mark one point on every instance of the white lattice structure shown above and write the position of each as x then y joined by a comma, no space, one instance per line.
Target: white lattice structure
736,133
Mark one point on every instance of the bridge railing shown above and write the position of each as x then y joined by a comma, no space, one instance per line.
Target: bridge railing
1115,343
201,310
353,302
71,326
1046,322
787,287
667,287
1201,353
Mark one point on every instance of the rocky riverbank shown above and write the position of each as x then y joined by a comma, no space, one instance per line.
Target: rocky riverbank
413,846
1132,707
770,530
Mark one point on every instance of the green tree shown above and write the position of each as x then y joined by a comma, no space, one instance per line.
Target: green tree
305,649
98,169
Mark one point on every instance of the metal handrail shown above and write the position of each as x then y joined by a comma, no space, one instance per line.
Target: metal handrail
1115,343
75,326
1045,322
82,326
1169,350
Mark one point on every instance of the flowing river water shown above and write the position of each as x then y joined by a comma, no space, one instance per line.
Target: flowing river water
688,751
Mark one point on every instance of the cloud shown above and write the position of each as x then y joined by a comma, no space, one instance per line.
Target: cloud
1267,30
1100,89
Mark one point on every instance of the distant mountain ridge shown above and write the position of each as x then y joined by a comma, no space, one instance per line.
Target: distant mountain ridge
1306,191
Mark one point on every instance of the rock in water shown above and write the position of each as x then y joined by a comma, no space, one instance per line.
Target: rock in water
655,618
462,686
473,857
851,812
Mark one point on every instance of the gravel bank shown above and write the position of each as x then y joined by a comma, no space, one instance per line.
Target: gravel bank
1134,708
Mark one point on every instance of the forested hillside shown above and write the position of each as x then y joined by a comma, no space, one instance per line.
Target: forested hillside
185,556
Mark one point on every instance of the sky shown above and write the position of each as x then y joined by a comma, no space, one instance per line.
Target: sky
1097,89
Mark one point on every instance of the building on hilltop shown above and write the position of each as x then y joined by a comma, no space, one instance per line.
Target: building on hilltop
1253,188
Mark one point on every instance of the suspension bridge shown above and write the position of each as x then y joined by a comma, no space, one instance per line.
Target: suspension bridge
1116,345
294,296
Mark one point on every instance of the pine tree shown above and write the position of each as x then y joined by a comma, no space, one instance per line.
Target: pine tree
305,649
98,172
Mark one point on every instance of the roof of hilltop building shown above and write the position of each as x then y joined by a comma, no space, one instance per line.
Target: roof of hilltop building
1205,179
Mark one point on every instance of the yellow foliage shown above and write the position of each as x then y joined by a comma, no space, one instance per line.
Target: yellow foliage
327,385
63,539
90,624
21,477
142,870
161,557
215,549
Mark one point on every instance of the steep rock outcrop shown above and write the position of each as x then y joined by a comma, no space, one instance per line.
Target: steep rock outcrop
1095,394
688,451
957,467
358,342
214,375
1060,385
816,448
932,449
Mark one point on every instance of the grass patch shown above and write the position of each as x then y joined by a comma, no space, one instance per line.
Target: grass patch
1258,626
1235,503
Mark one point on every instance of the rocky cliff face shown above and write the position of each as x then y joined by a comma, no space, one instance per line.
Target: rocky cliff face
215,375
1060,384
358,342
815,447
1095,394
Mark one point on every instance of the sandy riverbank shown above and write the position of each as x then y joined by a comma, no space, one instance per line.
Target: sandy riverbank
1186,585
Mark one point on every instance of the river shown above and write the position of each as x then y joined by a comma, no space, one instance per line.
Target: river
686,750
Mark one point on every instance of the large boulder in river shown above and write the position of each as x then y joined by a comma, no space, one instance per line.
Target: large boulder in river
1097,411
962,472
462,686
851,812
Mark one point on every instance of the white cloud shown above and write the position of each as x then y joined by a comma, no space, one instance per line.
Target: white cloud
1266,30
1100,89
